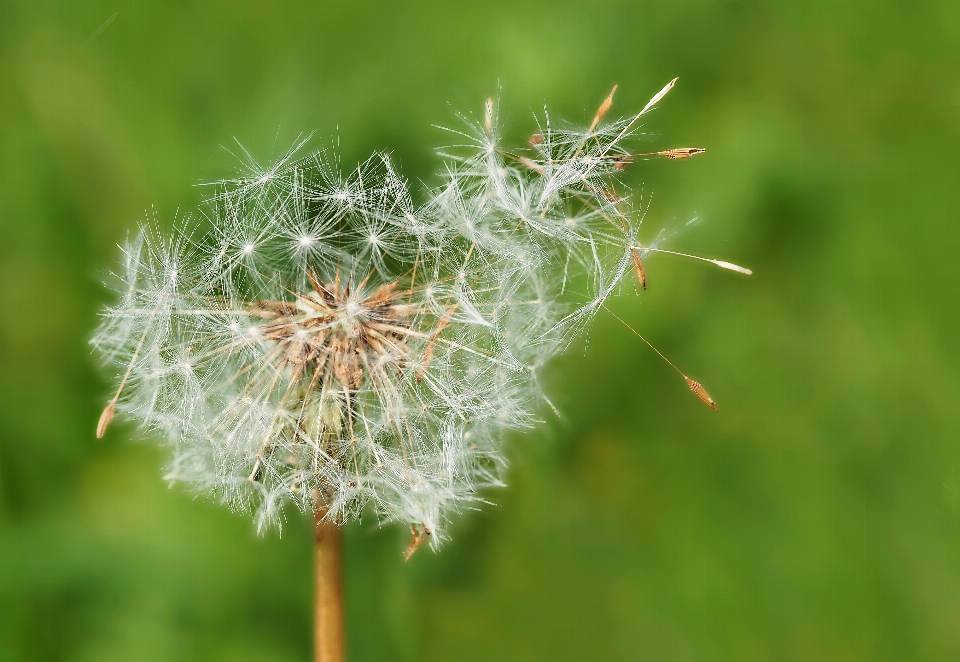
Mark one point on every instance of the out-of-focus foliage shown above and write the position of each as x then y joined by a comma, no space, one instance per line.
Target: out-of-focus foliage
816,516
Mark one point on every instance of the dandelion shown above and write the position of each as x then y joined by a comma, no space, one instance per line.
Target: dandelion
324,340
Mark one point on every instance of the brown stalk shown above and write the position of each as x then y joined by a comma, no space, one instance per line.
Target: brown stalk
532,165
328,618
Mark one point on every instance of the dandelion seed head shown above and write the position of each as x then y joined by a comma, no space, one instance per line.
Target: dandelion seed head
327,342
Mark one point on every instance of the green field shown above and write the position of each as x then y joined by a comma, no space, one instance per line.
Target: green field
816,516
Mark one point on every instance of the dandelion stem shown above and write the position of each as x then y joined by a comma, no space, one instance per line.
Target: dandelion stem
328,623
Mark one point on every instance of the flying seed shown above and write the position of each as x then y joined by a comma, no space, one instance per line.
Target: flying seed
638,267
701,393
105,418
720,263
682,152
696,387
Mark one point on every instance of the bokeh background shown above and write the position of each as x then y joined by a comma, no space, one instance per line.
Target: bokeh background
815,517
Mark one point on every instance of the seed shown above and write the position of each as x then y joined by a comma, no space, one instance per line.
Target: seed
533,165
621,161
416,541
612,197
105,418
428,352
602,110
681,152
701,393
638,267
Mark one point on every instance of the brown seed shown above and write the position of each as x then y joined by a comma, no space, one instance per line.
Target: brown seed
621,161
533,165
425,361
488,117
105,418
701,393
602,110
446,320
415,543
638,268
682,152
428,352
536,139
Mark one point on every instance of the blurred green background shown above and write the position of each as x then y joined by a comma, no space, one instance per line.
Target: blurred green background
815,517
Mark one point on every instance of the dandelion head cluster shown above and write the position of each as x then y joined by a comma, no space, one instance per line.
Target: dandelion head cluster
330,340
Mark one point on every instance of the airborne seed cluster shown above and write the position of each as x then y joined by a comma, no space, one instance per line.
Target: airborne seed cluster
322,339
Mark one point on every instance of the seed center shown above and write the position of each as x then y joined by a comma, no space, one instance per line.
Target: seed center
330,335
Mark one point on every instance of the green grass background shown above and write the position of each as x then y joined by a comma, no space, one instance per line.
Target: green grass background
815,517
